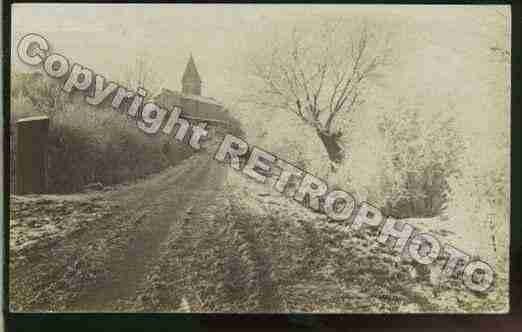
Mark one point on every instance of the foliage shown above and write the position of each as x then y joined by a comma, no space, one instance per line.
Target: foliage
86,144
422,153
44,95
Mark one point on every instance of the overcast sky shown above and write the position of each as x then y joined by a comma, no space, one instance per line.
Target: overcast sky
443,51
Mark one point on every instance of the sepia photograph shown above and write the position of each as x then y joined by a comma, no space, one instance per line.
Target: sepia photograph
275,158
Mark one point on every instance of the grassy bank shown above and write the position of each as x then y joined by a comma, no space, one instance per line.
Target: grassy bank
86,144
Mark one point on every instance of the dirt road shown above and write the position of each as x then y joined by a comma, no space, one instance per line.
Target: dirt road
201,238
100,266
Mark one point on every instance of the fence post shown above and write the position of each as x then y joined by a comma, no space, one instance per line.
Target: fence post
31,150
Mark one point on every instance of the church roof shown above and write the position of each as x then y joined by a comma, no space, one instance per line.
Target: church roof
191,72
176,96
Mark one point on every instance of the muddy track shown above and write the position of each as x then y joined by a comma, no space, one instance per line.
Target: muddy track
256,258
214,262
187,241
128,265
100,267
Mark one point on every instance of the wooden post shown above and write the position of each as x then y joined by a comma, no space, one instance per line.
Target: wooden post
31,149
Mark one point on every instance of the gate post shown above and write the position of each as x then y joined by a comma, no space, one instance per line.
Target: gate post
31,155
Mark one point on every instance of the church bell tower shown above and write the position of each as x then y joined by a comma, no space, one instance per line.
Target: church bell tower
191,81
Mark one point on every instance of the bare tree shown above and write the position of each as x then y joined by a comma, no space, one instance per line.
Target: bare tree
502,47
142,74
320,75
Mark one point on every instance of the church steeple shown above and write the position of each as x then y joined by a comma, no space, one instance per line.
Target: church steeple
191,81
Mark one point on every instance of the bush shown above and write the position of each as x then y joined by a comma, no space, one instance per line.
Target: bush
76,157
421,156
481,198
86,144
43,94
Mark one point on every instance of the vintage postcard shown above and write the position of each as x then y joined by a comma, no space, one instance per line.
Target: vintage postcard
259,158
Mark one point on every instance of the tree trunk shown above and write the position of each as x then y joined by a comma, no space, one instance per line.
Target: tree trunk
333,147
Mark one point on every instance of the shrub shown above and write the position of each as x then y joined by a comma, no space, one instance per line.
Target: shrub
422,153
86,144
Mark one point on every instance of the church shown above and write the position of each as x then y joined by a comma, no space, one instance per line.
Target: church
190,99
